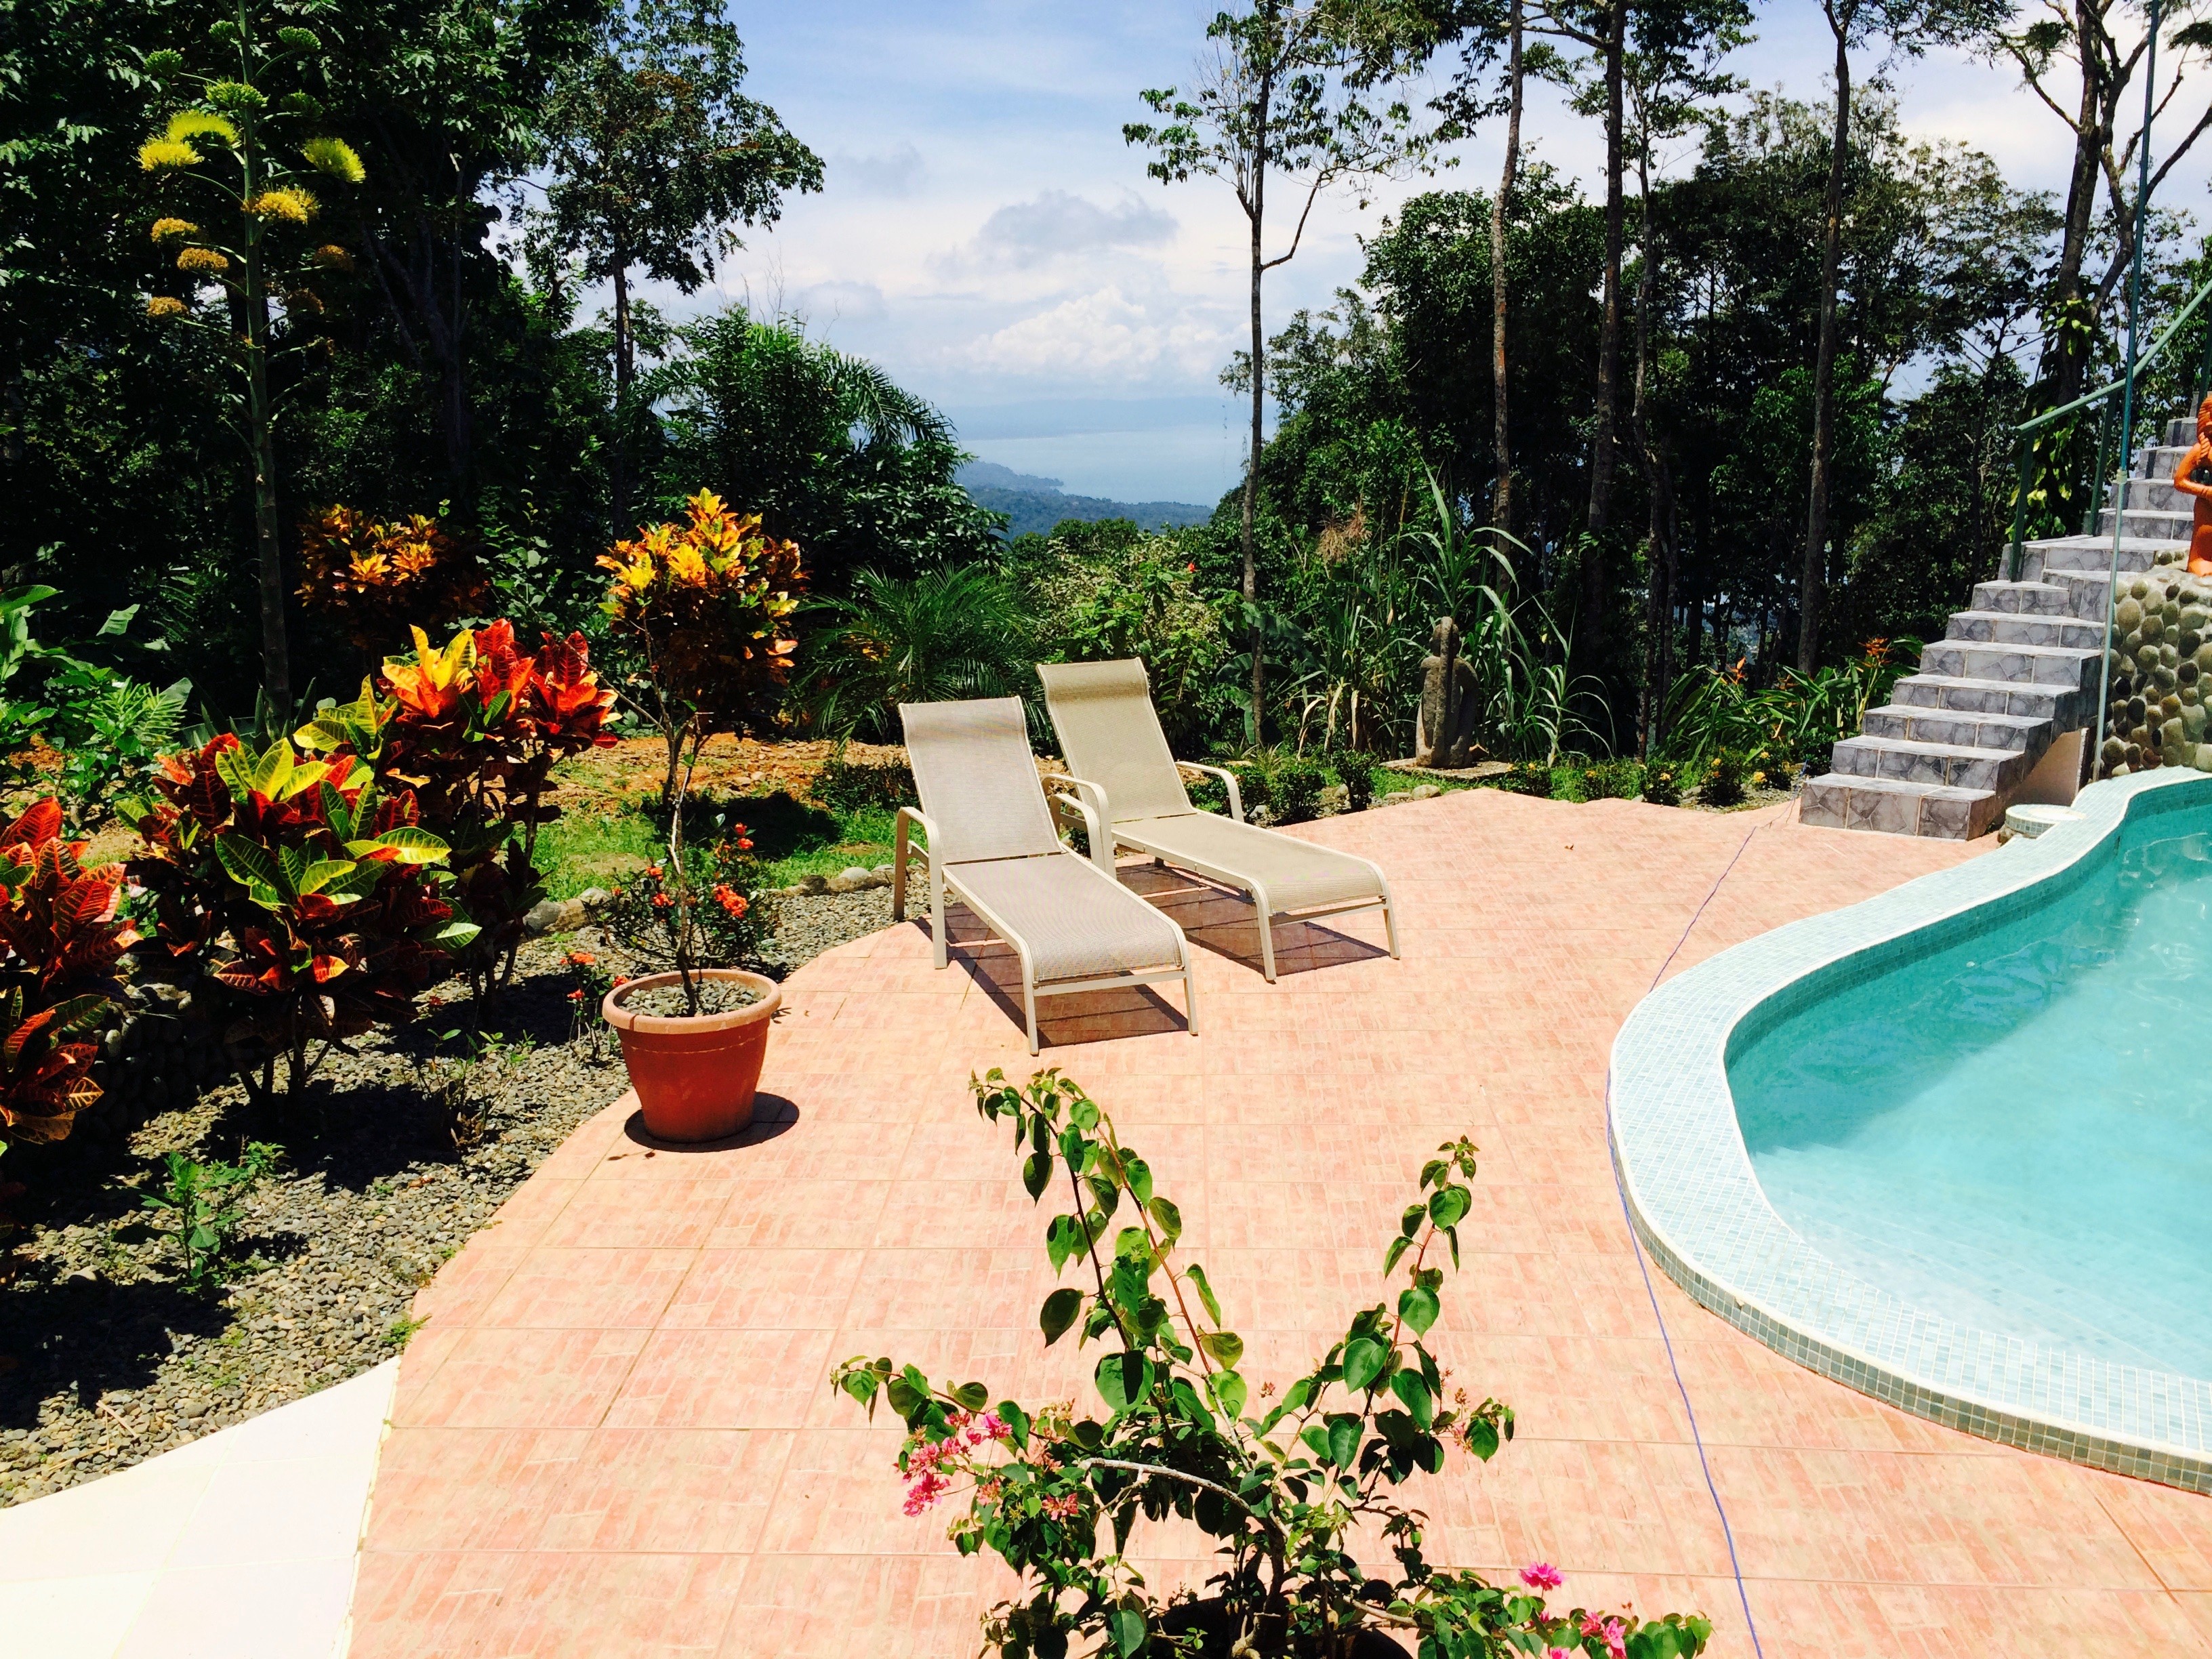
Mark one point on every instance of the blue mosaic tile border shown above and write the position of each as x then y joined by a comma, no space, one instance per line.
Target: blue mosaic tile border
1701,1212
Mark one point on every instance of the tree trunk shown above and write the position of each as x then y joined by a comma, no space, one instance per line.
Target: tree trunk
2065,352
1501,502
1256,213
1811,584
618,456
1609,342
1659,601
260,423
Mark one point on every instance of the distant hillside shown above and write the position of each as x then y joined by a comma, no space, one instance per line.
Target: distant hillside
1037,504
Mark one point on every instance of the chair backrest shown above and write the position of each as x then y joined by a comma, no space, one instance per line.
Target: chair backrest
977,782
1111,734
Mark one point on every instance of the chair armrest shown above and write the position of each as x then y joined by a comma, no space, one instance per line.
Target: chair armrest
1089,802
899,849
1228,778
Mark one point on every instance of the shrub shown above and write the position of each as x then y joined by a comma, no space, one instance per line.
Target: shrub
373,579
1288,1490
1294,787
205,1200
1356,772
703,607
849,785
1724,780
474,731
1528,778
1613,779
698,907
939,636
60,939
314,895
1662,785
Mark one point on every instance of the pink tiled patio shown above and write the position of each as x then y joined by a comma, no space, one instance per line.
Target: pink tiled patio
615,1436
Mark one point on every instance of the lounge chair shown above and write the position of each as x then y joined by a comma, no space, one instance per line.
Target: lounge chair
993,844
1127,778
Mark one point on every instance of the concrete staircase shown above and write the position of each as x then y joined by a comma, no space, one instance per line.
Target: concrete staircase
2013,671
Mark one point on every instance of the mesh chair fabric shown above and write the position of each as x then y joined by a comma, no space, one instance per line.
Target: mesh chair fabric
1077,924
1111,736
977,782
1295,873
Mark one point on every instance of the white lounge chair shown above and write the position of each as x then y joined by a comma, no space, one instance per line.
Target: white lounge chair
1128,779
992,845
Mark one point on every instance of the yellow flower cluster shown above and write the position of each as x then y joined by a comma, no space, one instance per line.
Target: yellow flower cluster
335,157
162,306
165,228
204,260
287,201
330,254
166,156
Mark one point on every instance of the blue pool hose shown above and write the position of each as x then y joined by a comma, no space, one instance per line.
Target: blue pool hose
1636,1243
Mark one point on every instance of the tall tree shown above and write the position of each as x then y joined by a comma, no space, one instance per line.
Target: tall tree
1909,27
655,158
2097,45
1299,91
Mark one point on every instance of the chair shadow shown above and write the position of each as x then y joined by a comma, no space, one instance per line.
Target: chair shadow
1227,923
1081,1016
773,1116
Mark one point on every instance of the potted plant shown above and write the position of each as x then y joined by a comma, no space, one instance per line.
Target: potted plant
701,607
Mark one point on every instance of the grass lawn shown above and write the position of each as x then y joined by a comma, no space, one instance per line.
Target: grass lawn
598,848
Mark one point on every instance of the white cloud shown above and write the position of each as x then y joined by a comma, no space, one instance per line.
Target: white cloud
1057,223
1104,336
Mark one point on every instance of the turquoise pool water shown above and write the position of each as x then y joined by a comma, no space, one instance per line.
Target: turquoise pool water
2016,1132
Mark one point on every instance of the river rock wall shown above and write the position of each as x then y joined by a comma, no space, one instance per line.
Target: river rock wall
2161,670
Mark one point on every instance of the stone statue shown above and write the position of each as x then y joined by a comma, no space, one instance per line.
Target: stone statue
1445,740
2200,452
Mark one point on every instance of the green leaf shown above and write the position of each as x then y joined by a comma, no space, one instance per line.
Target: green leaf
1409,1225
408,844
1196,1274
456,935
1017,1419
1482,1437
250,866
905,1397
1167,1218
1063,1239
1127,1625
972,1396
1449,1206
1058,1313
1224,1347
1124,1378
1343,1439
863,1386
1364,1360
322,872
1410,1387
1315,1437
1139,1175
1037,1171
1417,1306
1230,1392
1398,1247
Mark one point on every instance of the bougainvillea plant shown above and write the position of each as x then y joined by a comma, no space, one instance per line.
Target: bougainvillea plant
1284,1488
60,939
703,608
372,579
315,897
473,729
696,907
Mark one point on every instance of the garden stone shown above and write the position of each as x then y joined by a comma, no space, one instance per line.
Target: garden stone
850,879
1425,792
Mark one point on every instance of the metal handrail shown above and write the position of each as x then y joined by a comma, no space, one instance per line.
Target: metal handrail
2027,431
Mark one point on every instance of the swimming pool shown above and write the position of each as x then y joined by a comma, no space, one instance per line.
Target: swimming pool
1953,1146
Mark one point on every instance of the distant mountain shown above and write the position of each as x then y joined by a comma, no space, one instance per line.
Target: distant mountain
1037,504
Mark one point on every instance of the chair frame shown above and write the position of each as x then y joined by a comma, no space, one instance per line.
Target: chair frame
1097,810
943,878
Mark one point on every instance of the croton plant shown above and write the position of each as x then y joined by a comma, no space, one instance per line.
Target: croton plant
60,938
1285,1483
316,896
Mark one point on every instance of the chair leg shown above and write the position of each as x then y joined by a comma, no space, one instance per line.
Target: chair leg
1266,941
1189,991
1029,1007
1390,925
937,916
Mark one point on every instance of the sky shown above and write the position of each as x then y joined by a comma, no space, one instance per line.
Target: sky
985,234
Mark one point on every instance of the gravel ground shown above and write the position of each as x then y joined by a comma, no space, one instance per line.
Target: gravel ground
107,1358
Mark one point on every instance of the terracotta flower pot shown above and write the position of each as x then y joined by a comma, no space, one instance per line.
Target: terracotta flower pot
695,1076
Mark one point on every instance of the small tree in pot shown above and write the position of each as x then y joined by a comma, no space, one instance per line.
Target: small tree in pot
702,609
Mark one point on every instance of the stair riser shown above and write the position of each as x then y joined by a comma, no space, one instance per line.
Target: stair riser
1960,731
1963,769
2158,495
2057,704
1834,804
2084,554
2022,599
2075,633
2165,526
1964,660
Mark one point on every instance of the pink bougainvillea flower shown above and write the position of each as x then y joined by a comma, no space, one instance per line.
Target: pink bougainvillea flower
1063,1507
1616,1638
994,1427
925,1491
1540,1575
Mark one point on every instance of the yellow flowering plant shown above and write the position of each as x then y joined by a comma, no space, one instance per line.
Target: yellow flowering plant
236,149
703,606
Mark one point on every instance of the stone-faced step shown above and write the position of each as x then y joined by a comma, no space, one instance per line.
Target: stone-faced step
2038,664
1946,764
2157,493
2040,559
2023,598
1959,728
2168,525
2063,706
1893,807
2010,627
